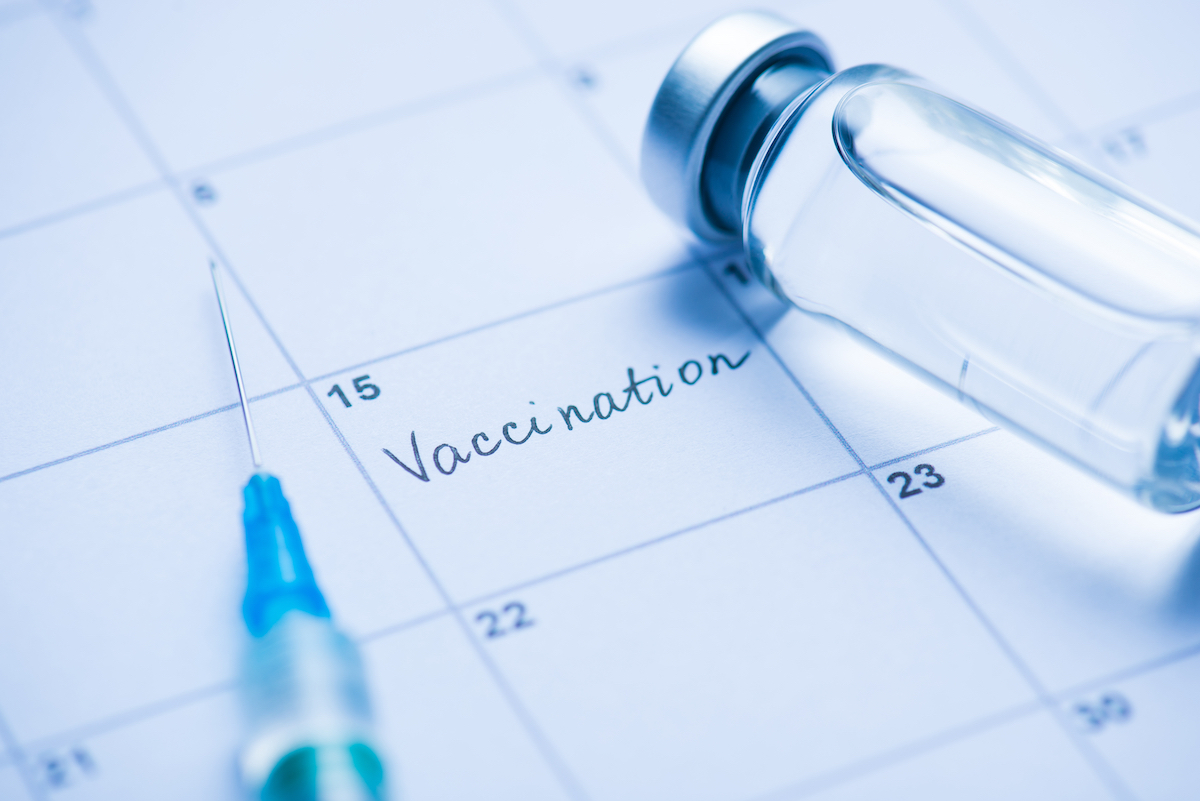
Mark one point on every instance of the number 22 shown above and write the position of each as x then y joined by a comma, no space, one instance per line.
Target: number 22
907,491
494,622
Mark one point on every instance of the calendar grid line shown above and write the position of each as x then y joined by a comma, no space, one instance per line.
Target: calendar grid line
1133,671
383,632
86,207
649,543
931,449
17,758
143,434
165,706
677,269
91,62
361,123
899,755
123,440
1165,110
955,734
1100,767
633,43
550,63
132,716
532,43
278,148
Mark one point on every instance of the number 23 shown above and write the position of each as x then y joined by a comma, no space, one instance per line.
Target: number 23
934,480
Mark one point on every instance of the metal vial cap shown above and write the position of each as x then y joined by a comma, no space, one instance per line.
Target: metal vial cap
718,67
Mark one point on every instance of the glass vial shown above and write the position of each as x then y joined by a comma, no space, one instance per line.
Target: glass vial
1049,297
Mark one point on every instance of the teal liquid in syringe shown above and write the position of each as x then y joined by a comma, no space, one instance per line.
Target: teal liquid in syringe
309,728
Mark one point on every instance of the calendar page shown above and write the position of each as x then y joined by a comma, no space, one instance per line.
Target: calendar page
605,518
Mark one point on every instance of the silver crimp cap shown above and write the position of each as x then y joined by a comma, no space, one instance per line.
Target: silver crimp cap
724,58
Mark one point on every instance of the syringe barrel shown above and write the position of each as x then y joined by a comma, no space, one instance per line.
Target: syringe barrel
1028,285
308,717
1032,287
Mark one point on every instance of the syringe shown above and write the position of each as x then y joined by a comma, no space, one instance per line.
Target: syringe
310,732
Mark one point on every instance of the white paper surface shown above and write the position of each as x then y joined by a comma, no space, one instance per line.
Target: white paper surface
728,600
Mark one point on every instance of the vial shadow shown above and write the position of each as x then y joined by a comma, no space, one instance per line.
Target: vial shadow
1082,579
723,287
1183,599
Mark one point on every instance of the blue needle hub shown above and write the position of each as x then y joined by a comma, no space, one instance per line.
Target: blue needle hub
280,578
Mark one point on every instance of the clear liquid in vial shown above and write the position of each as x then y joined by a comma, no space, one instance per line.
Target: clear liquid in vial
1032,287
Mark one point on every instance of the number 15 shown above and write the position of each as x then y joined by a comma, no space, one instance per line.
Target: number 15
365,390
